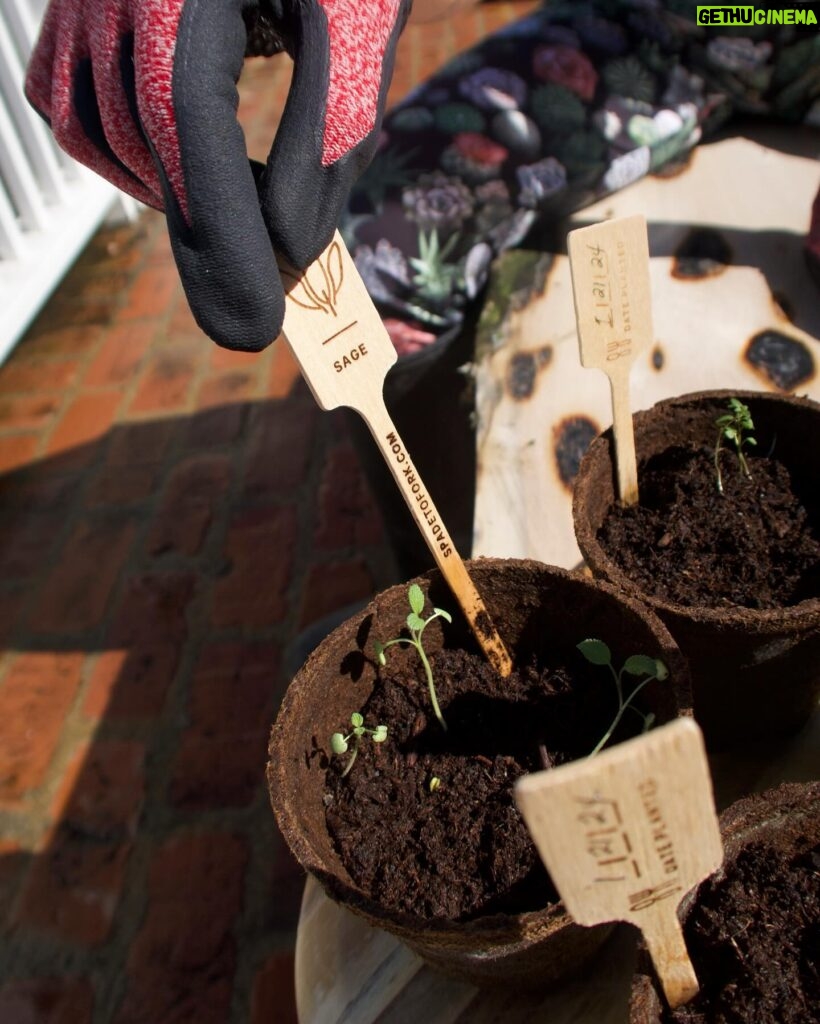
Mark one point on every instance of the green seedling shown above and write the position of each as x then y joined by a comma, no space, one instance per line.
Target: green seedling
417,625
340,744
731,427
597,653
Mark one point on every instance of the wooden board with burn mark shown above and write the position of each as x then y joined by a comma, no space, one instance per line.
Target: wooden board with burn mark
717,324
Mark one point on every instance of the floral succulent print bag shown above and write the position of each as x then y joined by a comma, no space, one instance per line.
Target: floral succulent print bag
558,109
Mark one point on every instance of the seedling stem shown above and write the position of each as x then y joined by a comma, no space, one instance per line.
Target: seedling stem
417,625
597,653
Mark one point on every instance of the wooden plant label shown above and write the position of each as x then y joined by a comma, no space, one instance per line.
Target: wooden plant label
609,265
626,834
344,353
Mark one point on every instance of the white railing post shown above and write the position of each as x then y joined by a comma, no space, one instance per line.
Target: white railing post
49,205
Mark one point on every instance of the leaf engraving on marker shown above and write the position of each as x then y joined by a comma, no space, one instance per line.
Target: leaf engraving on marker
318,286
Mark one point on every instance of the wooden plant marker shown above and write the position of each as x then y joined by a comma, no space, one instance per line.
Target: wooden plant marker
344,353
609,265
626,834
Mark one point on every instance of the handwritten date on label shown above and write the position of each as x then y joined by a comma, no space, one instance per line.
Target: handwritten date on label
350,357
637,825
609,263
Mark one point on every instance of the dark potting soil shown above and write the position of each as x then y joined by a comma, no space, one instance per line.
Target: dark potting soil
754,940
462,849
752,546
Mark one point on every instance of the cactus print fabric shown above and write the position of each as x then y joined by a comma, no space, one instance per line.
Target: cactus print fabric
553,112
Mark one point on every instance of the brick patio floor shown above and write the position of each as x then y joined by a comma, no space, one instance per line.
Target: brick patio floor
172,515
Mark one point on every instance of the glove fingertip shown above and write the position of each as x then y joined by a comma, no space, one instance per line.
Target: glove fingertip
232,317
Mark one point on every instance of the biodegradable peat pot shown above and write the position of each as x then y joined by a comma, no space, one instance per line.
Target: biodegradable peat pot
752,929
755,671
536,609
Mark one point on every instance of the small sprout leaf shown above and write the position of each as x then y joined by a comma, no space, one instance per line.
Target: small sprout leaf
380,734
733,426
416,597
338,744
435,783
356,720
380,653
641,665
414,622
595,651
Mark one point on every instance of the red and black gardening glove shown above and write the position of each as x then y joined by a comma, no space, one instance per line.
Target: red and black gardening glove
144,92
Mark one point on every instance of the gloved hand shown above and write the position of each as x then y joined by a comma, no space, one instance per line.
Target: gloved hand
143,92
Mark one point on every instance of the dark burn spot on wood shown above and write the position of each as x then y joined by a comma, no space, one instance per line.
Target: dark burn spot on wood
573,435
658,358
483,625
785,362
522,370
703,253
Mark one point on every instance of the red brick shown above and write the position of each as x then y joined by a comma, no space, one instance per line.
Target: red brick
211,428
131,684
92,314
26,542
36,490
222,755
274,994
284,371
120,355
347,515
181,966
152,293
87,419
182,322
29,412
167,383
37,694
102,790
74,887
13,859
75,596
141,444
17,450
226,387
89,287
287,881
11,606
47,1001
218,771
121,485
259,548
38,375
53,336
331,586
232,686
281,436
158,244
225,359
195,489
119,248
152,609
